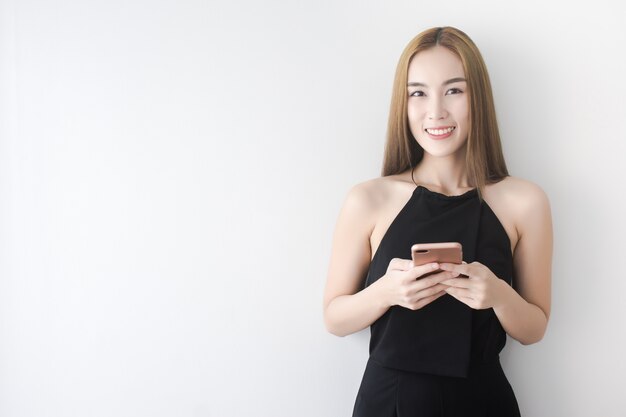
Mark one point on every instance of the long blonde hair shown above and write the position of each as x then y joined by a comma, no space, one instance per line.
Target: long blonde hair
484,159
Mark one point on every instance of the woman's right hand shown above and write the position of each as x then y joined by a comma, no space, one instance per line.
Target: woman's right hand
403,284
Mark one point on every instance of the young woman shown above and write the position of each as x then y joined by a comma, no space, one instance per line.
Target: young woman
435,342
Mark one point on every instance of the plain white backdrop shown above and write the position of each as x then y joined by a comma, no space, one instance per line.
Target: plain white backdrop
171,173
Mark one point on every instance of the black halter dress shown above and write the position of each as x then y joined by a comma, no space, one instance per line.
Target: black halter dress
445,342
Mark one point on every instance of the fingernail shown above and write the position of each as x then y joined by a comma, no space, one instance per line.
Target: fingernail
434,266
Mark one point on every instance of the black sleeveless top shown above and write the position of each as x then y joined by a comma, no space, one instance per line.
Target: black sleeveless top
446,337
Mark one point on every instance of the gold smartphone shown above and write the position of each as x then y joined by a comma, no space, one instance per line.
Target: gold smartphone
448,252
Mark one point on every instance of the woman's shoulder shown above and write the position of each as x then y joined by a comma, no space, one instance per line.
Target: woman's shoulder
518,192
376,191
518,202
369,198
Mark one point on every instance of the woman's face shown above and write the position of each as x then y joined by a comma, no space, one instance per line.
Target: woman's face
437,105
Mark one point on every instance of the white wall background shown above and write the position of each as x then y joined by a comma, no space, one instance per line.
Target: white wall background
171,173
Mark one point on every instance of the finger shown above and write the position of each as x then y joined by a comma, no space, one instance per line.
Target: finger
458,283
430,299
459,268
427,300
459,292
432,279
420,270
400,264
430,291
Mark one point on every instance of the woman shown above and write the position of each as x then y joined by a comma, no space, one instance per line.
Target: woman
435,342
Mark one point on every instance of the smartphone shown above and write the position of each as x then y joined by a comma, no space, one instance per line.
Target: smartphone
448,252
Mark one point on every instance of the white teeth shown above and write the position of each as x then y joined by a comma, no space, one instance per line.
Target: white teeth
440,131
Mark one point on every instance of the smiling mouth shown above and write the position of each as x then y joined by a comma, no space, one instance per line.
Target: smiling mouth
439,132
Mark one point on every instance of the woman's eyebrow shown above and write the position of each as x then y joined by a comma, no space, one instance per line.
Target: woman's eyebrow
450,81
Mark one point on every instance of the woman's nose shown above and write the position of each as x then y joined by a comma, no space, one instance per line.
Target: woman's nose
436,109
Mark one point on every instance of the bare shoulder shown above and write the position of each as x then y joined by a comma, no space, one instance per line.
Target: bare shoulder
374,194
375,203
520,195
517,202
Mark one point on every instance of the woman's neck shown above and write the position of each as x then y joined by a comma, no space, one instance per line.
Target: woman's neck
447,173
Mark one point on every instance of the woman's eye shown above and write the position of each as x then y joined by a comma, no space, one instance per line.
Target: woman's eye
418,93
453,91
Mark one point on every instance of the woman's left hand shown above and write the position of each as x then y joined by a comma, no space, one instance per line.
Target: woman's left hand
480,290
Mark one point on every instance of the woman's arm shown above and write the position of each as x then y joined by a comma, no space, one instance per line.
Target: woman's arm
345,310
524,314
348,310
